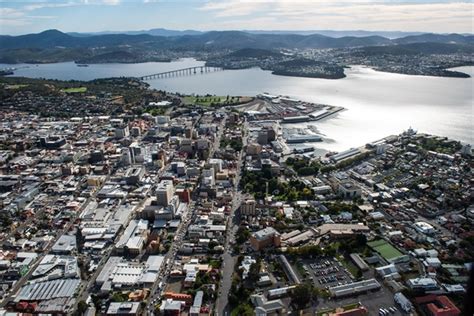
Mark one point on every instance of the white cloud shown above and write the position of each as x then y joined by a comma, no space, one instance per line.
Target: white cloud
344,15
37,6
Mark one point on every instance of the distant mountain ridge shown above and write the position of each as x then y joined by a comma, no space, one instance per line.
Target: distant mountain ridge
330,33
154,32
215,39
54,46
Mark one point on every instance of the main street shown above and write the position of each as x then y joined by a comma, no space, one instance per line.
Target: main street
155,292
228,258
168,261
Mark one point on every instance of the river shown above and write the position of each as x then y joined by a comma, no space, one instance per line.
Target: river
377,104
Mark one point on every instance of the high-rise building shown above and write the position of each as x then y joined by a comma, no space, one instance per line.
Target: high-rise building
262,137
466,150
248,207
136,153
136,131
122,131
164,192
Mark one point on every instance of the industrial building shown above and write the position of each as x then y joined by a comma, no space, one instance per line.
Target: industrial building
290,273
403,302
354,288
359,262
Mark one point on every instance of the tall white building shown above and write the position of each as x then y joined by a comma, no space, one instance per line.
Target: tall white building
164,192
216,164
208,178
136,153
466,150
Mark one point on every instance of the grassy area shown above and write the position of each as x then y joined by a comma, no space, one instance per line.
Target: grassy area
75,90
16,86
215,100
155,112
385,249
345,308
302,272
244,309
348,265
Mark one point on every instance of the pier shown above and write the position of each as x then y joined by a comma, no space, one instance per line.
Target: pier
182,72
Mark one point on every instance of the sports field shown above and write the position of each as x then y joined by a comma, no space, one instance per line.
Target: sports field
385,249
75,90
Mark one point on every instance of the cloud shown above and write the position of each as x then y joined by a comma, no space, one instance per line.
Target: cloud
234,8
417,15
37,6
63,4
21,16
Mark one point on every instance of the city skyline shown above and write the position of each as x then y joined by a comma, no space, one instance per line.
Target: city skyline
21,17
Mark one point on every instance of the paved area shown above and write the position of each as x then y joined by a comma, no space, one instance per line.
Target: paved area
230,259
372,301
326,272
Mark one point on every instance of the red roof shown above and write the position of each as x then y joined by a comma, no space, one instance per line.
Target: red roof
439,305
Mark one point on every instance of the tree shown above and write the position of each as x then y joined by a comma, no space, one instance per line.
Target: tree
118,297
212,244
243,234
254,271
79,239
361,240
307,193
81,307
292,195
301,295
244,310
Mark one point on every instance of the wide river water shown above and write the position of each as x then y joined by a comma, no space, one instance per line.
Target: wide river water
377,104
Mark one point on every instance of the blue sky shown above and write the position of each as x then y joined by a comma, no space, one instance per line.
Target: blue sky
21,17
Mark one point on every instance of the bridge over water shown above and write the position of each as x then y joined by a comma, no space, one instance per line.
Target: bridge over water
182,72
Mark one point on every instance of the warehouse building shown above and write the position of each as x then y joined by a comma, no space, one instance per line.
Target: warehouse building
290,273
359,262
354,288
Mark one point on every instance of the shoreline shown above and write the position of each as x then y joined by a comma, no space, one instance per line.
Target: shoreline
451,70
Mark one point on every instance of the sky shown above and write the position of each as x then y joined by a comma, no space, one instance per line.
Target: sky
442,16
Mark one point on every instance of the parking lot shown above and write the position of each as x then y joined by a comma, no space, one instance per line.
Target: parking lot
326,272
373,301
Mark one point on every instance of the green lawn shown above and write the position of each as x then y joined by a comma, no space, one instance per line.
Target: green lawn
214,100
75,90
16,86
385,249
348,265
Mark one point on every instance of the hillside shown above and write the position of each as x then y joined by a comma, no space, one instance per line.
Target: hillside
254,53
215,39
55,46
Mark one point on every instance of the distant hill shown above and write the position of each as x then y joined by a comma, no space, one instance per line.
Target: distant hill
116,57
42,47
154,32
336,34
254,53
330,33
215,39
55,38
436,38
418,48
